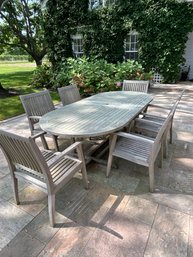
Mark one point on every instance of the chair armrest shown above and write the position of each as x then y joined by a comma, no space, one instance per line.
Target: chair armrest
158,106
61,155
71,148
34,117
148,122
40,134
136,137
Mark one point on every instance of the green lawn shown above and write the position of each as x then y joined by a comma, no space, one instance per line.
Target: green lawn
16,76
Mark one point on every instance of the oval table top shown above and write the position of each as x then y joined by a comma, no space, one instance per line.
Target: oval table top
98,115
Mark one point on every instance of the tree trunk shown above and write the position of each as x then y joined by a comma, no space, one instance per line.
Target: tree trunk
38,62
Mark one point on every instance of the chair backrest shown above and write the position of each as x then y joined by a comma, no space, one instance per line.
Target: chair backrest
37,104
174,107
23,153
135,85
162,130
69,94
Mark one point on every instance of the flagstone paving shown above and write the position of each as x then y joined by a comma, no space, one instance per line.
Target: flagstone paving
117,216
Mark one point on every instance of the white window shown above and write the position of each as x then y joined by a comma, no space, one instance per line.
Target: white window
77,45
131,46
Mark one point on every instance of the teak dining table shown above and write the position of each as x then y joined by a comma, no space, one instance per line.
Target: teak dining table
97,115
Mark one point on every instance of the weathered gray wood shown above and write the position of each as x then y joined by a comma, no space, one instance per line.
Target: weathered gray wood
69,94
47,170
138,149
35,106
149,124
135,85
94,116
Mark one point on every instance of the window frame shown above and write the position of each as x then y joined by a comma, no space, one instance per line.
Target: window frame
129,44
75,45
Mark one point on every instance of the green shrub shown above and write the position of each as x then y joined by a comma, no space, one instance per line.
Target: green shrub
131,70
90,75
163,27
43,77
93,75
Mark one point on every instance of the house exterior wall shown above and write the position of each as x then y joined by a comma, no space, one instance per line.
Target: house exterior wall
189,55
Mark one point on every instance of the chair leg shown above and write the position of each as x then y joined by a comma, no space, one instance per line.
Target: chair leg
15,190
151,178
84,177
110,159
112,142
84,172
51,209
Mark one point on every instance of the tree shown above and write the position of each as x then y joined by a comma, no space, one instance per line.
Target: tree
22,25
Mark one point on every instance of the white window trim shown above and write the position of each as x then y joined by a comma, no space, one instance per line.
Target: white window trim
74,37
132,32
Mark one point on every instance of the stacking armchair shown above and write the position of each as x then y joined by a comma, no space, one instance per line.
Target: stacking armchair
150,124
69,94
135,85
49,171
35,106
138,149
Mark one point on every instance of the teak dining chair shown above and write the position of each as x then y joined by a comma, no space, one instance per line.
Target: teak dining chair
48,170
150,124
35,106
135,85
138,149
69,94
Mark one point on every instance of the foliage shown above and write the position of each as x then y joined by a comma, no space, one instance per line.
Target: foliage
90,75
163,27
61,18
105,37
22,25
131,70
42,77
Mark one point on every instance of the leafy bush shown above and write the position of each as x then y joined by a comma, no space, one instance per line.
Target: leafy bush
131,70
43,77
93,75
163,26
90,75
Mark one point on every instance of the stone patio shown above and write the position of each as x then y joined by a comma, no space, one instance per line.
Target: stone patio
116,217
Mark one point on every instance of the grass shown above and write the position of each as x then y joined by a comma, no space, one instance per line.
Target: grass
17,77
